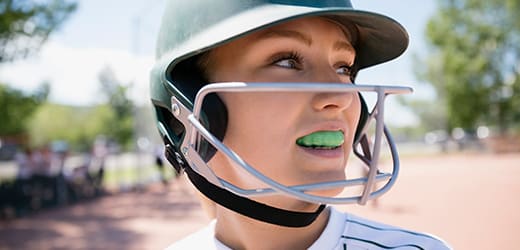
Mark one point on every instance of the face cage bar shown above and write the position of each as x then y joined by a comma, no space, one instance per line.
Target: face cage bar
194,127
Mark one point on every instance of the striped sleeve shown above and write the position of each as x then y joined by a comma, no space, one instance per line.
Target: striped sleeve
365,234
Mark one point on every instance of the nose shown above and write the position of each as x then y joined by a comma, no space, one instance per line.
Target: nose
332,102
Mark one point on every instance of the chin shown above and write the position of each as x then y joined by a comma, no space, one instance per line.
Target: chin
325,176
328,192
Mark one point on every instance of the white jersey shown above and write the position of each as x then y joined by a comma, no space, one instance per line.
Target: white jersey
343,231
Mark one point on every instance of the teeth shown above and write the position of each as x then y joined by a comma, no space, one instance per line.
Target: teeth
322,140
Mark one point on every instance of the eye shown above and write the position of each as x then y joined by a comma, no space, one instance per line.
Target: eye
290,60
286,63
344,70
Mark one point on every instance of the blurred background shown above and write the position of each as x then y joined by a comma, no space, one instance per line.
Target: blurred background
80,157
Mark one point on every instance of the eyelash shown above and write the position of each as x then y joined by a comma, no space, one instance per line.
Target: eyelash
294,56
297,59
349,69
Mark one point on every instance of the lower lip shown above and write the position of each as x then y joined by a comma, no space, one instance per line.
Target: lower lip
324,153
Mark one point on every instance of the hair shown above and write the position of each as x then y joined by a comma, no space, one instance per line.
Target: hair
203,63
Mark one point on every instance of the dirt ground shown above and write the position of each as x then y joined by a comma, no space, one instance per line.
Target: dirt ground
470,200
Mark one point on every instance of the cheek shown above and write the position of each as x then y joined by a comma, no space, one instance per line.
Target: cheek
356,108
353,116
260,124
257,131
256,118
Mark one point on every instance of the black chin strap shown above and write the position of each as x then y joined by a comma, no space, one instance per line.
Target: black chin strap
245,206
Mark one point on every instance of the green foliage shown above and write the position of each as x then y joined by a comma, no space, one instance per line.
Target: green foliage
432,115
25,25
474,63
16,108
79,126
121,126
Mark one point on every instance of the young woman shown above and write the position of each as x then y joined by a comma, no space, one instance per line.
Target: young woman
256,103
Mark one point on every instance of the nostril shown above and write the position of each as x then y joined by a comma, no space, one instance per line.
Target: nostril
329,106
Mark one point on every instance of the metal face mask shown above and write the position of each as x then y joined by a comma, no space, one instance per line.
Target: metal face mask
192,120
368,153
192,150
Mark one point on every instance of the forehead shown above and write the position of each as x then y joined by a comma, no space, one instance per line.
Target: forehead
306,29
306,25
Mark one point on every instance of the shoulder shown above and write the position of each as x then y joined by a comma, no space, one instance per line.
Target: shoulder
202,239
378,235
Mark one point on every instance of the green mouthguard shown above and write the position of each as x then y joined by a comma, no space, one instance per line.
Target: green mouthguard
322,139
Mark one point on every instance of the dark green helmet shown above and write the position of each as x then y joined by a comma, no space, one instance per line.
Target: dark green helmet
192,27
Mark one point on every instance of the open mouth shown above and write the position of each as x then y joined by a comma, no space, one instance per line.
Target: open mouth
322,140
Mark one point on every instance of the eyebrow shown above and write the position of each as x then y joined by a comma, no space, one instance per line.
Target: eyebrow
339,45
289,34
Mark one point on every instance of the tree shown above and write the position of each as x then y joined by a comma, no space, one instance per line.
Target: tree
78,126
474,62
25,25
121,126
16,108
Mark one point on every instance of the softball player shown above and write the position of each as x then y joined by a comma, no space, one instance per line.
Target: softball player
256,103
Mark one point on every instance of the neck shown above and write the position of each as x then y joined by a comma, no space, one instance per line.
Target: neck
241,232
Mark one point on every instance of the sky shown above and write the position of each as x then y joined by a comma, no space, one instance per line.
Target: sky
121,34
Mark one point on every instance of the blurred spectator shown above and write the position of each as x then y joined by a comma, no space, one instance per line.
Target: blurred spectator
99,154
60,150
23,161
159,162
21,189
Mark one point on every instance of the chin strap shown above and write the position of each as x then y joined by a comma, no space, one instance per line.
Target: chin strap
243,205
